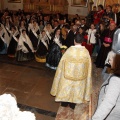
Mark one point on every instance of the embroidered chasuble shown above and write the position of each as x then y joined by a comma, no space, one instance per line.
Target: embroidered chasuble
72,81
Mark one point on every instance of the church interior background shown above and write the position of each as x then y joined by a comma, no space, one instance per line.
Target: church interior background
29,81
71,7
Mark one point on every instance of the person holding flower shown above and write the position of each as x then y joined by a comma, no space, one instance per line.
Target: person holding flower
54,53
63,49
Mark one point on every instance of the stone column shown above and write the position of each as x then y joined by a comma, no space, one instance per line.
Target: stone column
1,4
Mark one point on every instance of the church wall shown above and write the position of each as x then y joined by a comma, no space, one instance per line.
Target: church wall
72,10
13,6
0,5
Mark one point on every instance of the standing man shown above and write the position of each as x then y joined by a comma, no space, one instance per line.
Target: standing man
70,36
72,82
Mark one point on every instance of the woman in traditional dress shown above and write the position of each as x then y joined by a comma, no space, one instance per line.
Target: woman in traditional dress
25,49
34,32
42,48
8,24
16,20
48,29
106,45
41,25
13,42
54,54
3,40
22,26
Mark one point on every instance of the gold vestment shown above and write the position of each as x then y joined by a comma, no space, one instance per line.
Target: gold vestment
72,81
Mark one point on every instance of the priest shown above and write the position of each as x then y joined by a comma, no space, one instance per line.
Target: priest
72,82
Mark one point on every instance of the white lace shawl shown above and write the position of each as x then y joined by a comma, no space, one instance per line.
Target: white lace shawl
34,29
57,41
21,45
44,40
6,37
48,31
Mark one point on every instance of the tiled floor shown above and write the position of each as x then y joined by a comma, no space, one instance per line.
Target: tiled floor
31,83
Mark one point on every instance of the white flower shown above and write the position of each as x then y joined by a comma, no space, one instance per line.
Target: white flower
8,107
10,111
25,115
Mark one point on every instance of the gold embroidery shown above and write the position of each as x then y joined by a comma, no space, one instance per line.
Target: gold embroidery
76,70
72,90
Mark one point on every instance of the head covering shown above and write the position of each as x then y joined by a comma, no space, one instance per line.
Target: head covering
116,42
110,55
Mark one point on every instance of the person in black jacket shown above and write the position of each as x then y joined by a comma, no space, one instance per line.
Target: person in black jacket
108,15
70,36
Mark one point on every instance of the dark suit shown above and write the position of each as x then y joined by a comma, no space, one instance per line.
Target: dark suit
69,39
118,18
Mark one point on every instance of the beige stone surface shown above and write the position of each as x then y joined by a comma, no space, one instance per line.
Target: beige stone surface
31,83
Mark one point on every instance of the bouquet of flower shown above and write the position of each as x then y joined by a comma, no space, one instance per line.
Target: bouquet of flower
63,49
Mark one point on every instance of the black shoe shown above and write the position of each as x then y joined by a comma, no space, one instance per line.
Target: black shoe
72,105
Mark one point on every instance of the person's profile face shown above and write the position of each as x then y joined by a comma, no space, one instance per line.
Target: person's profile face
108,9
92,26
99,8
22,22
55,24
83,22
111,62
41,22
94,9
58,32
80,30
24,32
43,33
34,23
112,26
48,26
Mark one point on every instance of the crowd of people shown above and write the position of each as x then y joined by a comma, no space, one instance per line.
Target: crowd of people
26,36
46,37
